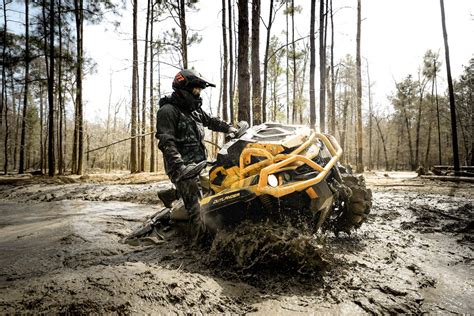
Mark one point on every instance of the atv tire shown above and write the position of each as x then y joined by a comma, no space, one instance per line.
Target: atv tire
357,203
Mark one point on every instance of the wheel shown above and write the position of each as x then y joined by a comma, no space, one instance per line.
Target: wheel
355,202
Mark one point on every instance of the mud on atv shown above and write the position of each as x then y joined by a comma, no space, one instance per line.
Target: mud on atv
274,173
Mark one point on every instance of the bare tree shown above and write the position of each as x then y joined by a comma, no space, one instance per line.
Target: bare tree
79,120
265,62
133,132
184,36
322,65
145,64
152,99
312,66
243,62
256,85
332,126
224,63
4,54
231,64
51,158
21,167
452,105
360,163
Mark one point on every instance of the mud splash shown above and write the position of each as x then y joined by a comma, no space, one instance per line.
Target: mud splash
256,246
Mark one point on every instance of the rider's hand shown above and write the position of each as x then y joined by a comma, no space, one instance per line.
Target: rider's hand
177,174
232,130
231,133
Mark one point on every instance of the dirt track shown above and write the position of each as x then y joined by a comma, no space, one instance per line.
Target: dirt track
61,253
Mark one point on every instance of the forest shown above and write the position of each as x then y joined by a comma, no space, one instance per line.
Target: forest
43,128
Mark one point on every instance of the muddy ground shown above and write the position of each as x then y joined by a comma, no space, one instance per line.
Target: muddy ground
60,252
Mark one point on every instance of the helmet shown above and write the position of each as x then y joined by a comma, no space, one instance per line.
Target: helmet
187,79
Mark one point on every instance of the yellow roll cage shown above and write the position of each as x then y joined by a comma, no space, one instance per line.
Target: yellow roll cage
274,164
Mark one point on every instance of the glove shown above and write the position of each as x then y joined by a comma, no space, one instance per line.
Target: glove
176,174
232,132
189,171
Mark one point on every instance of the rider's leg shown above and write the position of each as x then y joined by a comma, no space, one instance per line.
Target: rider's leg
190,192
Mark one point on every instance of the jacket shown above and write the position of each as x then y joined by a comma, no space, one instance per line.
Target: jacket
180,132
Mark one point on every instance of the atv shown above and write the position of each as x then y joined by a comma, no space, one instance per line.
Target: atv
274,172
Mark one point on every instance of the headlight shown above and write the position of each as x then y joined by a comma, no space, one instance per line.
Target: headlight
272,181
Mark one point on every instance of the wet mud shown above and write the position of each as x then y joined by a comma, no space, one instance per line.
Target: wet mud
61,252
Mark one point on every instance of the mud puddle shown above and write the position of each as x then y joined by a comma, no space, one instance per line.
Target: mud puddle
64,255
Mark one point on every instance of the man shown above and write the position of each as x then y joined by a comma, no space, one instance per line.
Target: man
180,123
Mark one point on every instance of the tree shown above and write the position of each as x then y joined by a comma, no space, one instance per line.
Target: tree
275,70
51,156
21,167
231,65
145,64
4,54
332,126
360,163
243,62
152,98
312,66
256,86
322,65
178,41
265,61
133,132
224,64
452,104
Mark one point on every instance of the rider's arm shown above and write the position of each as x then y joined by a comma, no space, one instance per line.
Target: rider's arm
166,131
213,123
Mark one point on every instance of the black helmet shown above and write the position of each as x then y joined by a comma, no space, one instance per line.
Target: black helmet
187,79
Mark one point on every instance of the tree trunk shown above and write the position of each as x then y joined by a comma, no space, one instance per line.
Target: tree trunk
344,123
265,63
79,124
410,144
312,66
145,64
287,72
322,68
294,58
418,125
7,128
152,98
184,32
452,105
231,65
60,99
383,144
360,162
370,117
51,158
224,64
332,127
3,101
440,160
256,85
243,62
133,132
21,168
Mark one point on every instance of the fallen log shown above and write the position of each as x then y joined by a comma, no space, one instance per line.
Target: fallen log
449,178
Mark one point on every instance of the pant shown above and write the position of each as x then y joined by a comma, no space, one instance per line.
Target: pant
189,190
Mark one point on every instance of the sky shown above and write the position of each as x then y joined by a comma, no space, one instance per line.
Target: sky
395,36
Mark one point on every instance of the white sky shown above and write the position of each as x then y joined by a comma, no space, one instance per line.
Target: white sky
395,36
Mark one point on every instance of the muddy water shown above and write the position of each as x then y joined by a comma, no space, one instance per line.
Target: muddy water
61,253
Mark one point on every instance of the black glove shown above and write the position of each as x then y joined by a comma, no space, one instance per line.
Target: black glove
189,171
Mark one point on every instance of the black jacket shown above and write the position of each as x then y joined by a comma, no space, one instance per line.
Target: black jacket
181,132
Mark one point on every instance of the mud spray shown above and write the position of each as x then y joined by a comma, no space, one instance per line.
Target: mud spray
268,245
